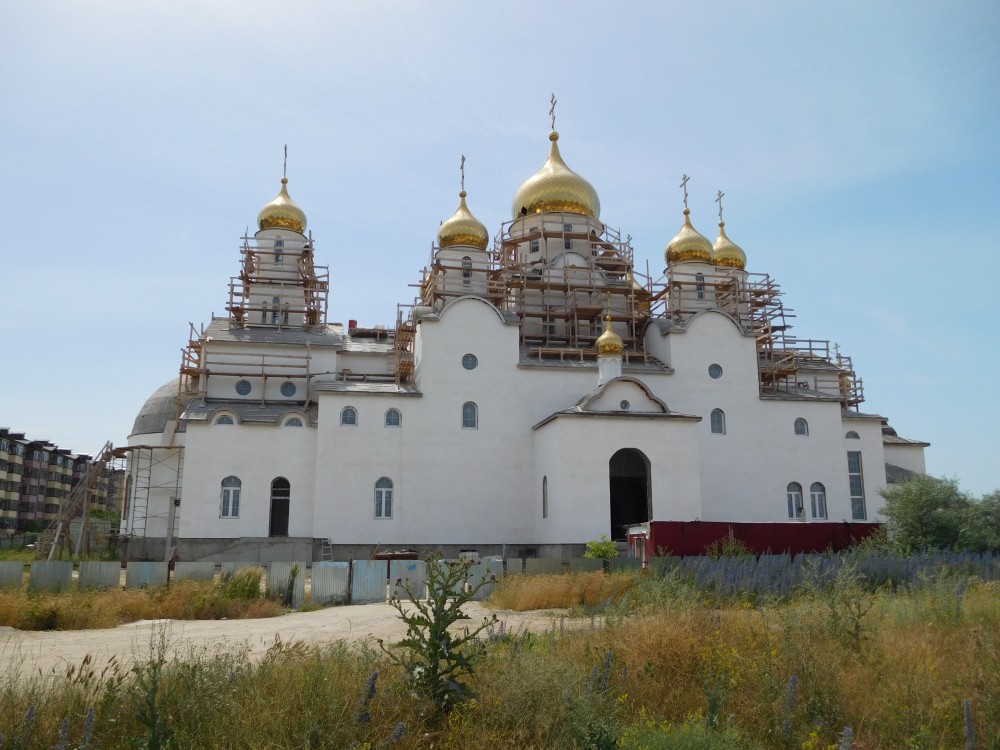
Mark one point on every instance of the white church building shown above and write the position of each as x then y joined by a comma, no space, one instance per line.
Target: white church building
539,392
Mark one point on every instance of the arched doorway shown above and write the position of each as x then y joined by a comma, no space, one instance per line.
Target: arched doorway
628,471
281,493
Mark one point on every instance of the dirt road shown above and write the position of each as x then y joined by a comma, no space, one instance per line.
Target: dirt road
53,652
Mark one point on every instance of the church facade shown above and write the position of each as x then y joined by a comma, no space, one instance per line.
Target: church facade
539,392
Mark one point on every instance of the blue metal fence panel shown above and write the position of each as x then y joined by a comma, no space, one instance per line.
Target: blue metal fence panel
282,573
51,575
585,565
11,574
368,581
100,575
194,571
141,574
542,565
489,570
624,564
412,573
330,582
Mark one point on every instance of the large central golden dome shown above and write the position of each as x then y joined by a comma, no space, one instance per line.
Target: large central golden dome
282,212
556,187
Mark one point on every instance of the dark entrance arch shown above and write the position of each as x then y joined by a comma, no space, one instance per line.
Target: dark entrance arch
281,493
628,471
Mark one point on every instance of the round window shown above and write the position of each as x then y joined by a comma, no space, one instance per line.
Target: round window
288,388
624,405
715,371
293,422
470,362
243,387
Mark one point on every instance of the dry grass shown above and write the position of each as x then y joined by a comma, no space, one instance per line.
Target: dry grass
106,608
921,657
522,592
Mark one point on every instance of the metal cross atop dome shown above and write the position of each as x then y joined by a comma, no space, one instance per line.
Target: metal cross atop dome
284,167
684,186
552,111
718,200
461,168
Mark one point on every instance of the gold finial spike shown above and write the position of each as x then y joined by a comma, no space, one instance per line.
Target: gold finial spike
461,168
284,168
609,305
684,187
718,199
552,111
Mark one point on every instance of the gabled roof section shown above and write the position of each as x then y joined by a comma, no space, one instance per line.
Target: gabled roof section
588,402
585,407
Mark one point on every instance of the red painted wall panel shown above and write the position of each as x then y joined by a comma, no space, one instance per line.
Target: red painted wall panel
693,537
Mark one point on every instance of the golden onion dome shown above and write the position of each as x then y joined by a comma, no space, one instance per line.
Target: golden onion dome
282,212
556,187
689,245
728,253
609,343
463,228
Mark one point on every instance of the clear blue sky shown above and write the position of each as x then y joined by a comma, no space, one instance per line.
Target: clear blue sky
856,142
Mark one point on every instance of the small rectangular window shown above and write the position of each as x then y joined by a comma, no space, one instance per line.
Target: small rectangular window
534,246
279,251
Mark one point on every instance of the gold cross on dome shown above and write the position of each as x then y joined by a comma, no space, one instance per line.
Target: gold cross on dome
461,168
718,200
552,111
684,186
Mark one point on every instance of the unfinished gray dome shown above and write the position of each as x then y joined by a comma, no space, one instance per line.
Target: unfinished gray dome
159,409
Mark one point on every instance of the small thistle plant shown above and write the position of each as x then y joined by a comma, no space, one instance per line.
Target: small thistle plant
435,657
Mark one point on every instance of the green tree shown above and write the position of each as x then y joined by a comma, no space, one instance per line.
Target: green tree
981,524
926,513
601,549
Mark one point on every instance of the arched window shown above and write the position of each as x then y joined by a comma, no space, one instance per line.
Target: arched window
225,419
276,309
229,503
718,421
393,418
801,427
545,497
470,416
817,494
349,416
293,422
279,250
466,270
794,493
281,500
383,498
699,285
852,435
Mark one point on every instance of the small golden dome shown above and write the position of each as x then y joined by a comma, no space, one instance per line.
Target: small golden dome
556,187
463,228
728,253
609,343
689,245
282,212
